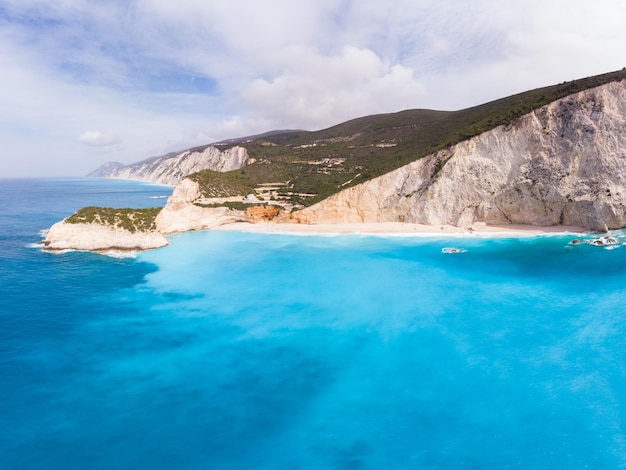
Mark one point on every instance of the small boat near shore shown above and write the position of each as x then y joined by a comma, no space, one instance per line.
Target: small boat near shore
453,250
602,241
608,242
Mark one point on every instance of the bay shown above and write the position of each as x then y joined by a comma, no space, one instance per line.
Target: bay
239,350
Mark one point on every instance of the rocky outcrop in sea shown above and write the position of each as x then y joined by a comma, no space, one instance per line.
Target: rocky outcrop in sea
97,237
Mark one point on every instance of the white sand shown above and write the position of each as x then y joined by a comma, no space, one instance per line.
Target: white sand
398,228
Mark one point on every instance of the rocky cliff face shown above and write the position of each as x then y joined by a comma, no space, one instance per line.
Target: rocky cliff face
564,164
172,168
180,214
97,237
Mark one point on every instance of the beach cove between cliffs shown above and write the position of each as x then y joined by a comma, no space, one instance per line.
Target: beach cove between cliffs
101,239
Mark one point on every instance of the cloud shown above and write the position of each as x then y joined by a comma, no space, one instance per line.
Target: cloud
314,90
141,77
98,139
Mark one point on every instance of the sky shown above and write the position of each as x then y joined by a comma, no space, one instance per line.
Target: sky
83,82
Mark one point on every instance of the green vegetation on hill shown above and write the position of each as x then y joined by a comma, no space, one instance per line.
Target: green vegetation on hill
216,184
133,220
323,162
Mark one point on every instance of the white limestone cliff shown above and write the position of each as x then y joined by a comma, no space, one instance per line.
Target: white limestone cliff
181,213
563,164
172,168
98,237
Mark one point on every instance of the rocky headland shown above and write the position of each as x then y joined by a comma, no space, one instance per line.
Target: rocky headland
100,238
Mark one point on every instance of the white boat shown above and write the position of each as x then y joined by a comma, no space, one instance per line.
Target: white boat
453,250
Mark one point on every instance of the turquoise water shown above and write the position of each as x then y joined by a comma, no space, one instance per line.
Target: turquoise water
233,350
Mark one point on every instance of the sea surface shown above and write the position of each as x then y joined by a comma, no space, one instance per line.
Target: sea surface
264,351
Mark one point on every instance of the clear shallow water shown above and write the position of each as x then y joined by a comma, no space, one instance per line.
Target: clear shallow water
232,350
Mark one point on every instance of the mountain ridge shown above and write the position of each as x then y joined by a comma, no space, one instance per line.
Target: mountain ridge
321,163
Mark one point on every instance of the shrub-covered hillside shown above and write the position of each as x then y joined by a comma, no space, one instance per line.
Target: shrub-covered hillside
309,166
133,220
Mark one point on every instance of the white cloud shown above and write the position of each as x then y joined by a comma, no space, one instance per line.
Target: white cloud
315,90
123,69
98,139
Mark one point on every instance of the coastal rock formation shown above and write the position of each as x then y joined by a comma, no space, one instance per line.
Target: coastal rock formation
563,164
256,214
172,168
98,237
183,212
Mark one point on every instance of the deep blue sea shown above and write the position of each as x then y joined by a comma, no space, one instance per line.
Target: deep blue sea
264,351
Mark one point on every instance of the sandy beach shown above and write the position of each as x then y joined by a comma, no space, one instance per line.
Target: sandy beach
403,229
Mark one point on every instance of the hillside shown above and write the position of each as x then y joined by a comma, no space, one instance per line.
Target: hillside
562,164
307,167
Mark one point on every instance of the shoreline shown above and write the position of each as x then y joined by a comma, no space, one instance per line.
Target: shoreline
99,239
404,229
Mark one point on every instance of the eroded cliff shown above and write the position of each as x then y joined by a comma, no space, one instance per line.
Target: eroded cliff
564,164
99,237
184,212
173,168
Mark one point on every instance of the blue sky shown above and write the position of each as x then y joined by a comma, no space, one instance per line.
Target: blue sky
87,81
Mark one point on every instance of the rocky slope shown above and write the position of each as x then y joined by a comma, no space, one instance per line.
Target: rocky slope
564,163
172,168
182,212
